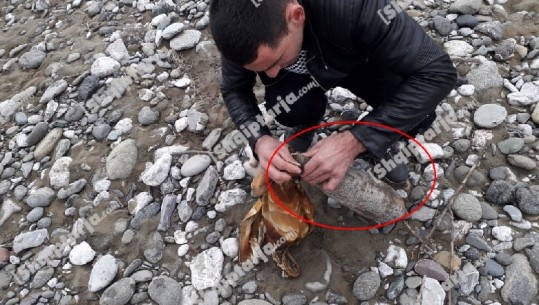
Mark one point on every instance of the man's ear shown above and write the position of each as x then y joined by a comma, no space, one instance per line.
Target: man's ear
295,15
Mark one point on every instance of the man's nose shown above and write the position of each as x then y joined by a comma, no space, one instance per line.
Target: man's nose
273,71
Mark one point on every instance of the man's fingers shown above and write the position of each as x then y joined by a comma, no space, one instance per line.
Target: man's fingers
331,185
285,154
278,176
282,165
312,169
320,178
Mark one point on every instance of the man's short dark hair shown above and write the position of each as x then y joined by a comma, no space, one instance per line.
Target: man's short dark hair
239,27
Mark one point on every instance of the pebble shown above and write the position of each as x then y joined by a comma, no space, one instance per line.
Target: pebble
230,247
32,59
490,115
29,240
35,214
500,192
206,268
234,171
502,233
444,258
458,48
118,293
230,198
520,283
81,254
89,86
521,162
207,186
185,40
465,7
467,278
121,161
513,212
148,116
157,172
432,292
366,285
467,207
103,273
195,165
527,200
105,66
485,76
431,269
165,291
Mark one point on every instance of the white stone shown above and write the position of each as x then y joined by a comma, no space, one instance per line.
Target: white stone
518,99
384,270
466,90
180,124
206,268
118,51
230,247
195,165
158,172
396,257
230,198
104,66
81,254
173,29
458,48
182,83
234,171
435,151
186,40
431,292
490,115
103,273
531,90
124,125
183,249
59,173
140,201
502,233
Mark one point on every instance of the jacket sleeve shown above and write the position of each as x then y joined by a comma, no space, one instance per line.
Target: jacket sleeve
237,89
404,48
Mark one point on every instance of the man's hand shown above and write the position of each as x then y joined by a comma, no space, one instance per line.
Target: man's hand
330,159
283,164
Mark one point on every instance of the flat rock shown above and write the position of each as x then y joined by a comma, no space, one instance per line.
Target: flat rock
122,160
366,285
458,48
32,59
186,40
431,292
467,278
234,171
29,240
103,273
511,145
48,143
527,200
485,75
490,115
105,66
118,293
59,173
158,172
118,51
165,291
465,7
230,198
531,90
431,269
206,268
53,91
207,185
173,29
520,283
8,208
521,162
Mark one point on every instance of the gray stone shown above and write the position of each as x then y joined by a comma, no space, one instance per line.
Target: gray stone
490,115
122,160
462,145
478,242
148,116
366,285
101,131
40,198
492,29
37,133
458,48
500,173
465,7
73,188
42,277
118,293
206,268
29,240
142,276
142,216
476,178
500,192
173,29
103,273
53,91
158,172
505,49
504,258
44,223
185,40
493,268
531,90
488,212
21,118
432,292
32,59
395,288
467,207
207,186
513,212
294,299
167,208
527,200
165,291
533,255
59,173
522,243
74,113
466,21
184,211
442,25
431,269
521,162
155,247
511,145
212,139
88,87
520,283
47,144
35,214
485,75
195,165
502,233
467,278
234,171
118,51
9,108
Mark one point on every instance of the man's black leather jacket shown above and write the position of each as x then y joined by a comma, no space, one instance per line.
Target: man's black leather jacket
345,35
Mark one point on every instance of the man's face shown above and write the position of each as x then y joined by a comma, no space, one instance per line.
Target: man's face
271,61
